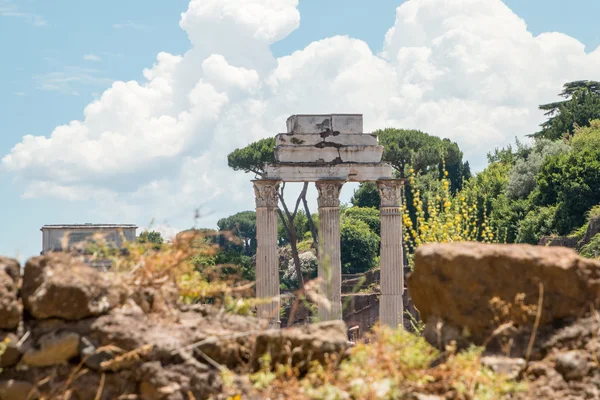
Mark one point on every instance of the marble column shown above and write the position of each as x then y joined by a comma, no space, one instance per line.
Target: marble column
267,257
330,263
391,258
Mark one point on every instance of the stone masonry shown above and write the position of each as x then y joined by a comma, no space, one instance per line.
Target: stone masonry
329,150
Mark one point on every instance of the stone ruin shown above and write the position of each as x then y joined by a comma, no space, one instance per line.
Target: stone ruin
329,150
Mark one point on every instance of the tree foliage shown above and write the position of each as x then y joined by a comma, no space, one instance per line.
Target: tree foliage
253,157
423,153
581,106
243,226
152,237
368,215
359,246
521,180
367,195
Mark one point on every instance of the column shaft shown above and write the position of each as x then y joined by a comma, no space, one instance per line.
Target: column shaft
267,257
391,256
330,263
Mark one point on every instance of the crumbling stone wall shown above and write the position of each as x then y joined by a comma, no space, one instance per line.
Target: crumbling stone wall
74,331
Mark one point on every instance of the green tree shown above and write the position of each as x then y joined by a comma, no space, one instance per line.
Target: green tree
359,246
537,223
521,180
581,106
368,215
423,153
367,195
153,237
243,226
253,157
571,181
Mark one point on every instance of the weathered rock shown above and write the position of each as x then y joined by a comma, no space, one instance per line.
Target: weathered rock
61,286
511,367
175,382
572,365
305,343
12,353
10,306
17,390
455,282
52,348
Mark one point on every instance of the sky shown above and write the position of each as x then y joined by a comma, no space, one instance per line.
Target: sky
125,111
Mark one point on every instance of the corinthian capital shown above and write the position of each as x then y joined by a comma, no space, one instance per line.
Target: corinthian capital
329,193
389,191
265,192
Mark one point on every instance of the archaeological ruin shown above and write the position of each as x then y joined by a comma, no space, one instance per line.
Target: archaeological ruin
329,150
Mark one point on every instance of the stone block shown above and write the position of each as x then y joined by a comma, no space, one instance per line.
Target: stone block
328,154
347,123
361,154
316,139
351,172
323,123
52,349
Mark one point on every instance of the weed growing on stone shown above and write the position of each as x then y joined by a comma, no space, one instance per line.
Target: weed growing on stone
389,365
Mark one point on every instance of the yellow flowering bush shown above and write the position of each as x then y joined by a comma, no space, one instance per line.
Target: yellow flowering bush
443,217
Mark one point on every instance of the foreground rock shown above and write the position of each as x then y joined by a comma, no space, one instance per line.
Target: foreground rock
153,356
61,286
10,307
301,345
453,285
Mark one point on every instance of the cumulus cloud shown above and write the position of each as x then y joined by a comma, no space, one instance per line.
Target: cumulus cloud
468,70
92,57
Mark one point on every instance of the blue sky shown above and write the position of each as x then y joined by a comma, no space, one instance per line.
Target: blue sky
59,56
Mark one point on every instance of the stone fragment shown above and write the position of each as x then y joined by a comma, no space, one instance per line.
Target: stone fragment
572,365
61,286
308,342
511,367
17,390
455,282
10,306
334,124
52,349
12,353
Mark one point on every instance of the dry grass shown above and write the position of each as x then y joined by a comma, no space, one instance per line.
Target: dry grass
392,365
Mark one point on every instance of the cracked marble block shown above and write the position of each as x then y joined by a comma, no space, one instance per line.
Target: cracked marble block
323,123
327,139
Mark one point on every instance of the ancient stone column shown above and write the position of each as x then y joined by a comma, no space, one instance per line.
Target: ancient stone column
267,257
330,263
391,258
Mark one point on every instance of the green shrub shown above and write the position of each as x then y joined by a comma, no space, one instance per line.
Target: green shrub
368,215
359,246
590,249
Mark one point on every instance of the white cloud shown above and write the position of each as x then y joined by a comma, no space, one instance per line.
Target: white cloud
129,25
9,9
67,79
466,69
92,57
